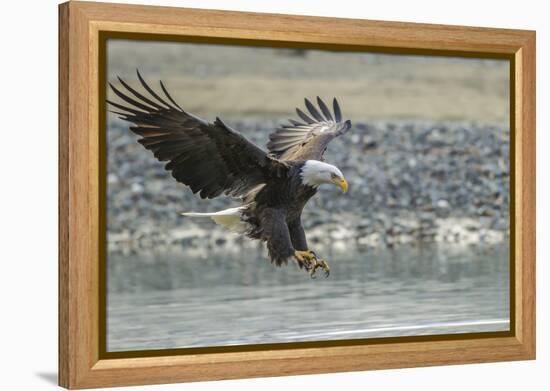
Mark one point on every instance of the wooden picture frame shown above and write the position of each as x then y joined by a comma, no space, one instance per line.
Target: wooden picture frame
82,359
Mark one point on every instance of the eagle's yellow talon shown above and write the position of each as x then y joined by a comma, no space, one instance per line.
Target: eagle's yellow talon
306,259
325,267
320,263
309,261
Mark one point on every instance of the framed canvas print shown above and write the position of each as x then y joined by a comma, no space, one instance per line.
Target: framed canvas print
247,195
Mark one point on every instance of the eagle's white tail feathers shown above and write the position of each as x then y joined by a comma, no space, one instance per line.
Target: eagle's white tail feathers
228,218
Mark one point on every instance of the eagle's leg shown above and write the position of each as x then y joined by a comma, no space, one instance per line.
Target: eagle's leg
306,259
277,236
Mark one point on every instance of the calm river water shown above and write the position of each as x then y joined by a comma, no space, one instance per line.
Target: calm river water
168,300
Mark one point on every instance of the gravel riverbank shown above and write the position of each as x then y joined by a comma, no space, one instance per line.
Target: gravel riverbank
410,182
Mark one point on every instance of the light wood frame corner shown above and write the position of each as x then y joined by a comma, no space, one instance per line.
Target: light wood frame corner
81,24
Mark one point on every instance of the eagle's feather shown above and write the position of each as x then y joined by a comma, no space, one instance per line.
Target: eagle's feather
209,157
309,139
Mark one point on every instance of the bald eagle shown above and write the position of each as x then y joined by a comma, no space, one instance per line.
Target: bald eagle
214,159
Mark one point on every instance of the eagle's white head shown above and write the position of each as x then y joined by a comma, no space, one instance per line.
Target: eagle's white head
315,173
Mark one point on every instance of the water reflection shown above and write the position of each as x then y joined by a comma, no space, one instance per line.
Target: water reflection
168,300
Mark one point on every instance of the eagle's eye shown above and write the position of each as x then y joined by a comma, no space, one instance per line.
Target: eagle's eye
333,175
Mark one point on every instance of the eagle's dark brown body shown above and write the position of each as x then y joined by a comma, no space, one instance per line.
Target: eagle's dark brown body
213,159
275,211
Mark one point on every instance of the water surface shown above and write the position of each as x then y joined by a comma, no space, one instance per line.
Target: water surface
168,300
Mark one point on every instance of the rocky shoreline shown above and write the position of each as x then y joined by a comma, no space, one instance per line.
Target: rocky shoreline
411,182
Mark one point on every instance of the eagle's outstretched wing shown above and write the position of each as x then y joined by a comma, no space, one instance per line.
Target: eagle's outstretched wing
210,158
308,139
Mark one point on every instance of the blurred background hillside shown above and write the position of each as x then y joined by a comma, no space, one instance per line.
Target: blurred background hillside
242,82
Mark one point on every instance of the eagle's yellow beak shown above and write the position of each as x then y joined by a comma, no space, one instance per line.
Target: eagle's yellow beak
341,183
